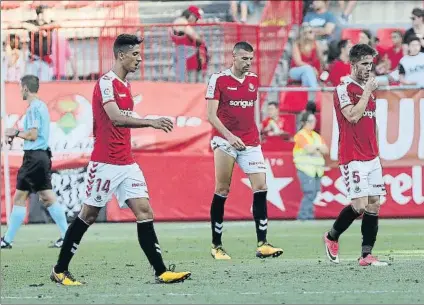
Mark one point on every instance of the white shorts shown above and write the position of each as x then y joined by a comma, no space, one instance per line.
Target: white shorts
251,160
363,178
123,181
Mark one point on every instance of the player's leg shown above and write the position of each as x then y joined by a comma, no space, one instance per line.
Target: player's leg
101,182
224,159
17,216
252,162
132,192
60,273
369,227
356,181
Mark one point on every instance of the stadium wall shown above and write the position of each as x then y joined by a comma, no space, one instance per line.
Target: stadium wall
179,166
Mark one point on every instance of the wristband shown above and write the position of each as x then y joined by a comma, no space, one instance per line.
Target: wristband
17,133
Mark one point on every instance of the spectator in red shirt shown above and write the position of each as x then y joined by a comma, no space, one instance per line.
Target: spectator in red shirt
341,66
273,125
395,53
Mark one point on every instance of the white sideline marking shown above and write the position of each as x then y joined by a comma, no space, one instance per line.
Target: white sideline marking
222,293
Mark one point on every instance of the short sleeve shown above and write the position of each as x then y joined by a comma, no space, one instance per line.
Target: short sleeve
34,118
106,90
213,92
308,17
330,18
342,96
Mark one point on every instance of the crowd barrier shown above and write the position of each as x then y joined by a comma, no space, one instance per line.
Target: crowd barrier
179,166
92,54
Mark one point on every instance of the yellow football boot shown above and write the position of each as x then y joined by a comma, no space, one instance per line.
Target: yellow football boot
170,276
65,278
218,252
265,249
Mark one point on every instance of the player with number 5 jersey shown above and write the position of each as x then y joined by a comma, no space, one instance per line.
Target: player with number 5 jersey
355,106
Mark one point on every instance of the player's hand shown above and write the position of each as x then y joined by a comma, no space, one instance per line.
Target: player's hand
236,142
164,124
371,84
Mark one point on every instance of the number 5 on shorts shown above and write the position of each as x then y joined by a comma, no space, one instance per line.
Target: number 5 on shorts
356,177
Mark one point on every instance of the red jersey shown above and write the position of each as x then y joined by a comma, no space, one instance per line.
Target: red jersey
357,142
236,109
112,144
338,69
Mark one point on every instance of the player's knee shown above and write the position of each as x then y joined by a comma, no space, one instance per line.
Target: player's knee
260,188
359,206
222,190
144,213
373,206
89,214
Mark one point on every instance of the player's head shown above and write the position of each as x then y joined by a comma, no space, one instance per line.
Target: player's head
242,56
127,51
308,120
272,109
414,45
361,58
29,86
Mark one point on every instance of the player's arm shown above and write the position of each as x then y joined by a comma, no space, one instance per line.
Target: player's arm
120,120
216,122
353,113
213,95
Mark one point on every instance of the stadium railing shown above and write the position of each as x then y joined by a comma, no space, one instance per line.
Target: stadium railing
93,54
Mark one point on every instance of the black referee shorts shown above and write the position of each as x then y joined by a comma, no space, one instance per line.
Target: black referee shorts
36,171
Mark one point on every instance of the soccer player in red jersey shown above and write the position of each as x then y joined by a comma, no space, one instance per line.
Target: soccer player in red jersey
355,105
112,169
231,96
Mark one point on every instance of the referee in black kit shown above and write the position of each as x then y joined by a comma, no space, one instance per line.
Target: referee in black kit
35,172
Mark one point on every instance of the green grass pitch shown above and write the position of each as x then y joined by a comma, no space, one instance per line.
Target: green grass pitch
116,271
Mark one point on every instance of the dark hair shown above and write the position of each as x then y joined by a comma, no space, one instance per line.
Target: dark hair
311,107
40,9
186,14
243,45
31,82
304,117
418,12
359,51
413,38
273,103
342,44
124,42
399,32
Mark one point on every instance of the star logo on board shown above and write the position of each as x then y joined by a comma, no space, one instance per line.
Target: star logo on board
275,185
